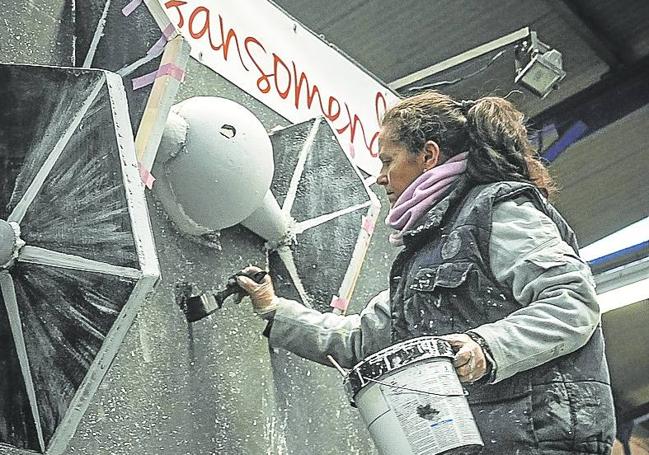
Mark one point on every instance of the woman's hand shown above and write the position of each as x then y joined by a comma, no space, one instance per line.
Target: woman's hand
470,362
262,295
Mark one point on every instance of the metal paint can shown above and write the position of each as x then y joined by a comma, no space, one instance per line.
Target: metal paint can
412,401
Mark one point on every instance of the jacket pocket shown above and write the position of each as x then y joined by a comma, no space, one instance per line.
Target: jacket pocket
519,385
504,414
506,426
439,300
449,275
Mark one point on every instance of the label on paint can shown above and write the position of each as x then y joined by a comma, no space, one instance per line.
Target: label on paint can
429,402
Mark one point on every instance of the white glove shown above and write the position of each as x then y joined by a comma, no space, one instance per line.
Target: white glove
262,295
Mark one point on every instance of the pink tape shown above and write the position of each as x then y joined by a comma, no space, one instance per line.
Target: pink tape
339,303
168,31
352,150
158,46
143,81
368,225
132,6
168,69
146,176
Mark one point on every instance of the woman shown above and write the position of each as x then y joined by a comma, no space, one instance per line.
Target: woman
488,264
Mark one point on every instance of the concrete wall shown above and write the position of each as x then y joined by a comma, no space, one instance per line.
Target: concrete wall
214,387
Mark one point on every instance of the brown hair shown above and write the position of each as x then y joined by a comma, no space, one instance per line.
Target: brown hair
490,129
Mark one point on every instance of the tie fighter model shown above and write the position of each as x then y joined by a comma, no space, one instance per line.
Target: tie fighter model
299,191
76,250
334,213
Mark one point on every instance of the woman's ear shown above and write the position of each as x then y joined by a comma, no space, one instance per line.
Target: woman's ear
430,155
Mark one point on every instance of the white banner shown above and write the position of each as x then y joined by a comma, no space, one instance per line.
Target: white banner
253,44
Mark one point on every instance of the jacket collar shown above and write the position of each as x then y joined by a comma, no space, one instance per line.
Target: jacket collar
435,216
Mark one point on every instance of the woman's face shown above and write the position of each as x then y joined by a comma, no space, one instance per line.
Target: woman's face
401,167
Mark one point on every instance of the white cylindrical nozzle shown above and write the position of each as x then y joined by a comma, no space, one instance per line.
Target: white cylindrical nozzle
269,222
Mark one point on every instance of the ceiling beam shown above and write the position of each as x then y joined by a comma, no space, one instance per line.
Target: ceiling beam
600,42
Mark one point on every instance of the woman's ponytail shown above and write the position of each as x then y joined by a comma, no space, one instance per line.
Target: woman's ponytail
499,148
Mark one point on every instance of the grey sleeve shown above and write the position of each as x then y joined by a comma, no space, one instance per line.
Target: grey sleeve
348,339
555,287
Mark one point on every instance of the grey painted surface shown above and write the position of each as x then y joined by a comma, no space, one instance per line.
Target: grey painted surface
36,31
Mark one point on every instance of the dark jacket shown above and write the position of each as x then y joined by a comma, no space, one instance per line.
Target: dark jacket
441,283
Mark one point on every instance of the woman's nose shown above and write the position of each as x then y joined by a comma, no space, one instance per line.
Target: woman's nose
382,179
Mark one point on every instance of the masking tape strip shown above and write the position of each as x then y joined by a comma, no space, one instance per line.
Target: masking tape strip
155,51
168,69
169,31
352,150
146,175
132,6
368,225
159,45
339,303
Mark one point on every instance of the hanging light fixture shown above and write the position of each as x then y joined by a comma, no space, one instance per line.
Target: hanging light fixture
539,68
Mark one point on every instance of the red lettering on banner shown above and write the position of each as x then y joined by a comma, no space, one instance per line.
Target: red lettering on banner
380,106
264,78
330,115
206,24
177,4
276,62
225,43
287,79
353,123
310,93
225,39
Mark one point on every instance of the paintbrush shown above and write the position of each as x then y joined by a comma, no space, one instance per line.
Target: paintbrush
203,304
